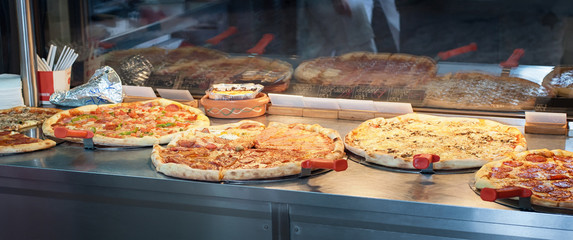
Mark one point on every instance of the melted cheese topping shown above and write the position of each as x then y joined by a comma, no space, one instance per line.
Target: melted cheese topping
448,139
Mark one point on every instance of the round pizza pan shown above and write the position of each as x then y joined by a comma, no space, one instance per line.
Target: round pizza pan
514,203
361,160
313,173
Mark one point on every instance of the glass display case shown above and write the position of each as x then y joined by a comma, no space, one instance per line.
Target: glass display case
371,50
487,59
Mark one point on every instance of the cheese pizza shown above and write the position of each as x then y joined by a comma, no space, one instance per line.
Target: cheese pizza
129,124
547,173
246,150
460,143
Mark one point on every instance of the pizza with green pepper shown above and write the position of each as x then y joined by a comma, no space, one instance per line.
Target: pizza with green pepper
129,124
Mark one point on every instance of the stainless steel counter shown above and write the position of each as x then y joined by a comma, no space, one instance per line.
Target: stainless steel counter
69,186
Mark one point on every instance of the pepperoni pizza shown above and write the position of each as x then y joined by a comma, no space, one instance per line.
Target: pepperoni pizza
246,150
548,173
14,142
129,124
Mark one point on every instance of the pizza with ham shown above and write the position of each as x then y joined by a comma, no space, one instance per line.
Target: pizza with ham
370,69
481,91
547,173
15,142
129,124
461,143
18,118
246,150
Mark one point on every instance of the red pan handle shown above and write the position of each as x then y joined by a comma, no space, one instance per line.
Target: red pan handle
262,44
227,33
513,60
336,165
491,194
457,51
422,161
62,132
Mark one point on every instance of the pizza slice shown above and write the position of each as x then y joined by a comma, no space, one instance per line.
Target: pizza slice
23,117
14,142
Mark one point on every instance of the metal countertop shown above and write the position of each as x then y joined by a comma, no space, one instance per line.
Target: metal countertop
358,180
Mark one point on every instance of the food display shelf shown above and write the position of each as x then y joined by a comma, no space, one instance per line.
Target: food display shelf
69,192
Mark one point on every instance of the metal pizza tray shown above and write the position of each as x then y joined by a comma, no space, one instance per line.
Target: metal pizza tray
362,160
36,132
97,147
313,173
515,204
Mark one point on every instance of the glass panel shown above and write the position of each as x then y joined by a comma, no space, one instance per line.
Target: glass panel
382,50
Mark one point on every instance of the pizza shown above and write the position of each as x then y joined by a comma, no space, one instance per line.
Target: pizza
17,118
547,173
461,143
481,91
190,54
370,69
142,123
273,74
15,142
246,150
560,79
155,55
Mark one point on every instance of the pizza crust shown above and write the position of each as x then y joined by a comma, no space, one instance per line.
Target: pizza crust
262,173
201,121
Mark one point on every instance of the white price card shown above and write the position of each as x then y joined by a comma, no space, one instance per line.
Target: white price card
320,103
353,104
137,91
393,107
545,117
175,94
285,100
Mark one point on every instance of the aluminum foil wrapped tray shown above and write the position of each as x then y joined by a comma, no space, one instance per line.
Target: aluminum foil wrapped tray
234,91
104,87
